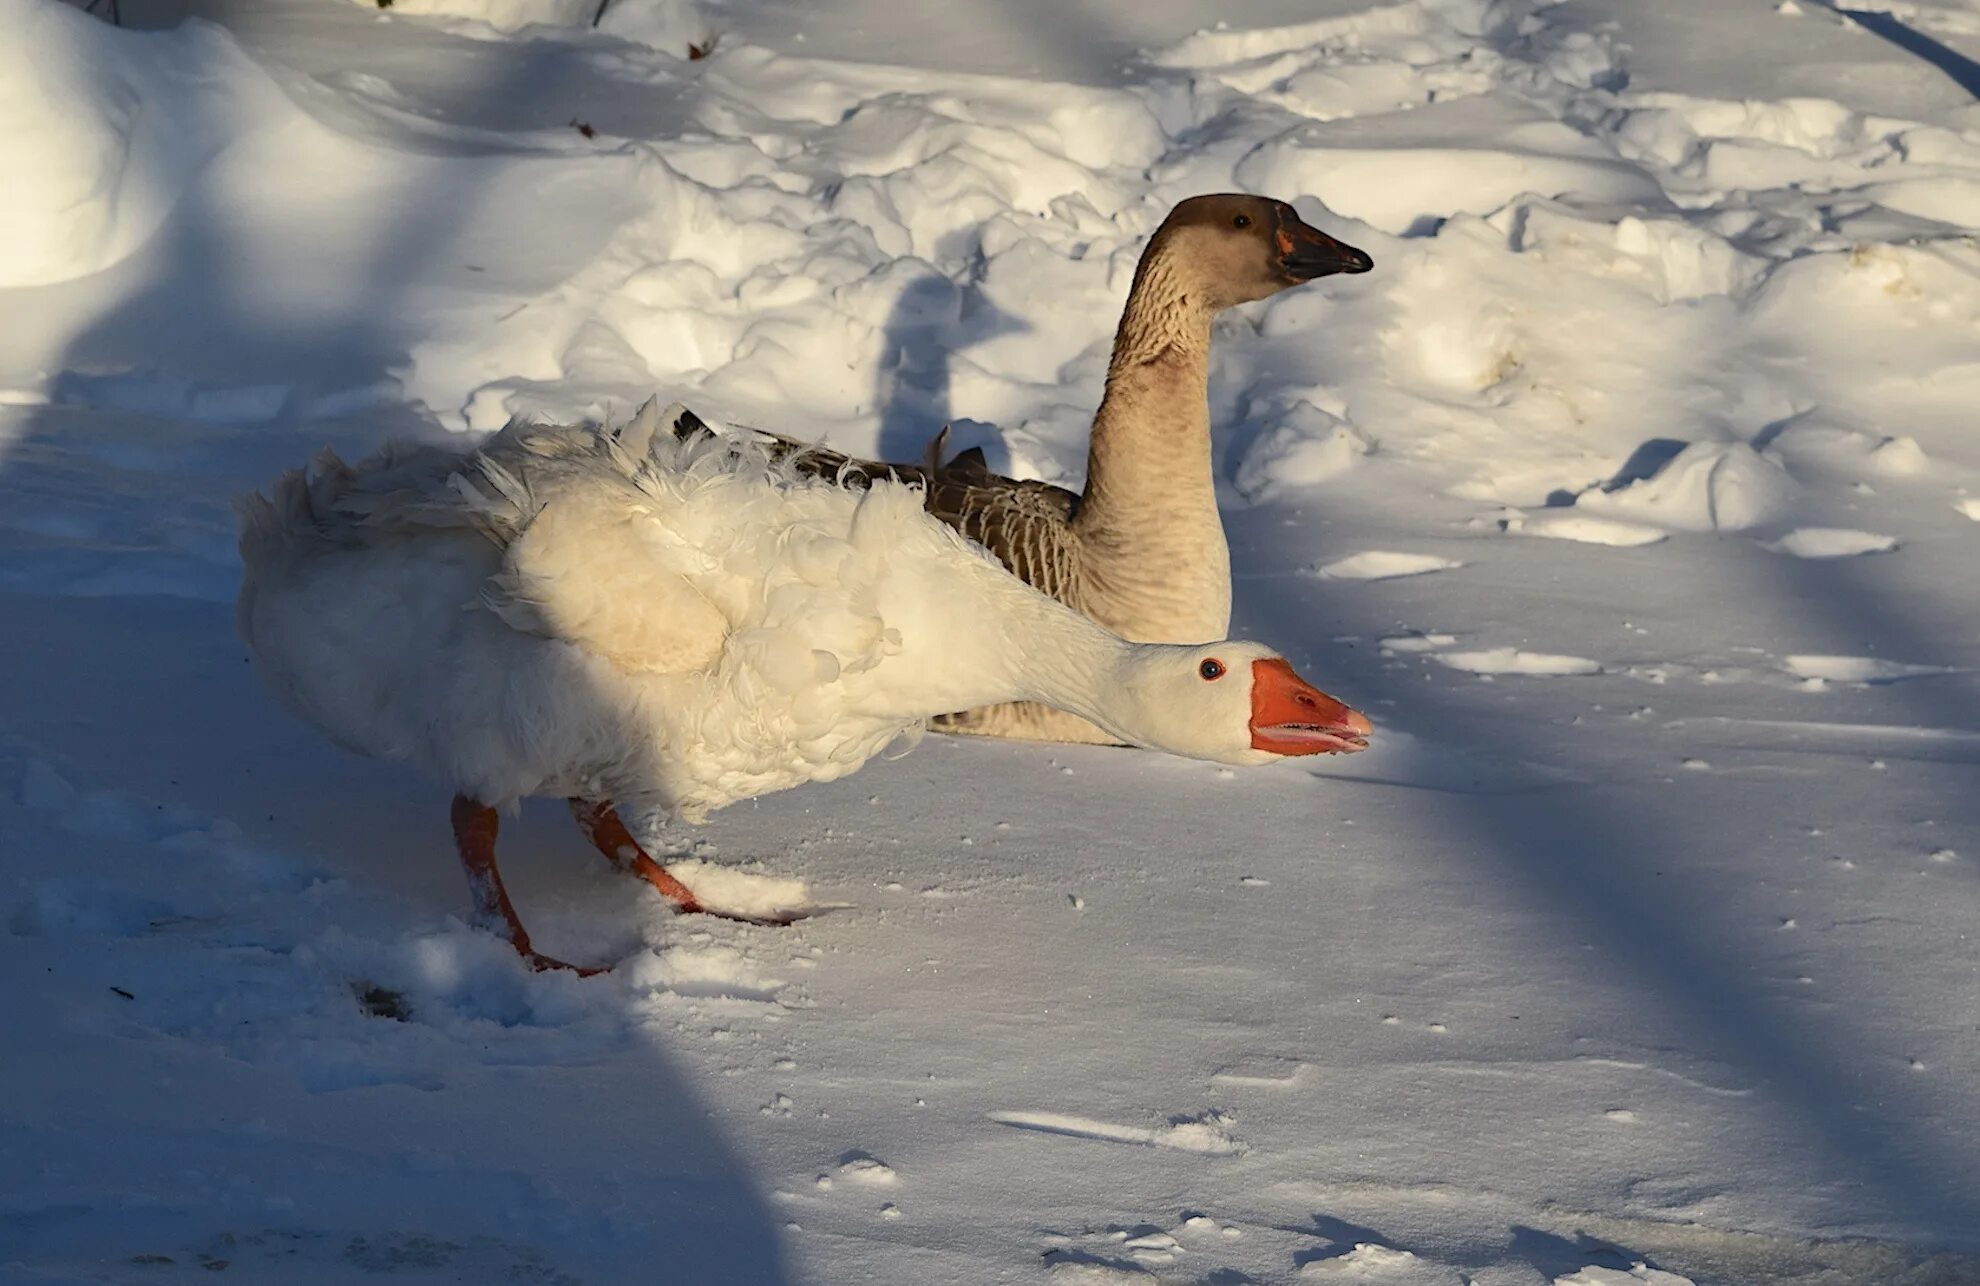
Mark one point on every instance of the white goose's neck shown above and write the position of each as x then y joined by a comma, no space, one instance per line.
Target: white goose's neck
974,635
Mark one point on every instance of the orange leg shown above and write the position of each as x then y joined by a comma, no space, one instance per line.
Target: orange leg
474,835
601,825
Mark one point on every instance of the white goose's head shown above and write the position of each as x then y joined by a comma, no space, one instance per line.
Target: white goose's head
1231,702
1233,248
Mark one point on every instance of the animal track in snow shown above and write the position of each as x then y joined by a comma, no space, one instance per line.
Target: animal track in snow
1372,1263
1205,1134
1382,564
1512,660
1586,530
1831,542
708,972
1637,1275
1863,670
726,889
1263,1073
1124,1252
865,1168
1417,642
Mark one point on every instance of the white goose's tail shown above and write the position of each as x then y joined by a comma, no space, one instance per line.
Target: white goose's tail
301,499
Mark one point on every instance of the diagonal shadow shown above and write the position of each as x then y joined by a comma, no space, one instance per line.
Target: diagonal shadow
644,1173
1963,71
192,314
1594,858
1596,862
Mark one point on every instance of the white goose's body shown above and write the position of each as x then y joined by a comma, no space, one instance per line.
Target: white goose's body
677,628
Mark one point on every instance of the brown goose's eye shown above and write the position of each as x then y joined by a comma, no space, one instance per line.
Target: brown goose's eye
1211,669
1241,221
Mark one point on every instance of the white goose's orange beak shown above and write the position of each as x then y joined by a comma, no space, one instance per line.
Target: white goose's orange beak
1289,716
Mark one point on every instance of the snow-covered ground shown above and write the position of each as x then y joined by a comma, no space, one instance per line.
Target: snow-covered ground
1634,493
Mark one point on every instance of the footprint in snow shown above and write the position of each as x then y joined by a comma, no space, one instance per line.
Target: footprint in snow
1512,660
1584,529
1205,1134
1414,642
1263,1073
1370,1262
867,1169
1131,1252
1830,542
1382,564
1636,1275
1861,670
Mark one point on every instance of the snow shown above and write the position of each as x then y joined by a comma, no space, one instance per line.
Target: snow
1592,531
1857,669
1512,660
1638,948
1832,542
1384,564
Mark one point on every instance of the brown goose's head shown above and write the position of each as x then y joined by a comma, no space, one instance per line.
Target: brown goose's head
1238,248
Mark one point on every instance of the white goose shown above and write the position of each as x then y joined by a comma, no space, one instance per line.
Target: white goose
680,628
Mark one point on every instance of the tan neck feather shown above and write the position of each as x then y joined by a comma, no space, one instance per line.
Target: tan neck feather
1149,462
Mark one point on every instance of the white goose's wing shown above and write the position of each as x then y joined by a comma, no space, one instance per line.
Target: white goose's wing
592,570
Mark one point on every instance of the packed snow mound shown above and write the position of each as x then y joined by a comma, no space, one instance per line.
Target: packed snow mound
1372,1263
1707,486
1846,452
102,129
1306,449
1568,525
1636,1275
1858,669
671,26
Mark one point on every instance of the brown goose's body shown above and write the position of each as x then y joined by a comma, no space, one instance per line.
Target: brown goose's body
1141,550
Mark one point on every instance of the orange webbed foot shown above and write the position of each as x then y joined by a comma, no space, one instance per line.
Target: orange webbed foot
475,826
601,824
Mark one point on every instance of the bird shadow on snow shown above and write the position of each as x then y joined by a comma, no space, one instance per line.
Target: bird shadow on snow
1551,1255
931,320
913,380
1594,857
266,1039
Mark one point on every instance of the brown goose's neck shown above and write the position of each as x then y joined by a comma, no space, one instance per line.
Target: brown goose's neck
1149,462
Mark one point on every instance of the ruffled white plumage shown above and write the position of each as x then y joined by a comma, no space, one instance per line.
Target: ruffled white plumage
556,615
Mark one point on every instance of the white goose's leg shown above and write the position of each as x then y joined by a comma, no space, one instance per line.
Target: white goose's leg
601,825
475,825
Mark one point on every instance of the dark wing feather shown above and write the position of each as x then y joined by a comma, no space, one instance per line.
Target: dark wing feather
1023,523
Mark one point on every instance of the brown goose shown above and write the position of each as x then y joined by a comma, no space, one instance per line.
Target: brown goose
1141,550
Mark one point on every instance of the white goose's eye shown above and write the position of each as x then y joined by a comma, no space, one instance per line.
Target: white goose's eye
1211,669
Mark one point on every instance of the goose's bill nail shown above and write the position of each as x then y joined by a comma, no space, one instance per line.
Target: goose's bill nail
1305,252
1289,716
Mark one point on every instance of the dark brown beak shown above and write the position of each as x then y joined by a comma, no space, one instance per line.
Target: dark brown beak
1305,252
